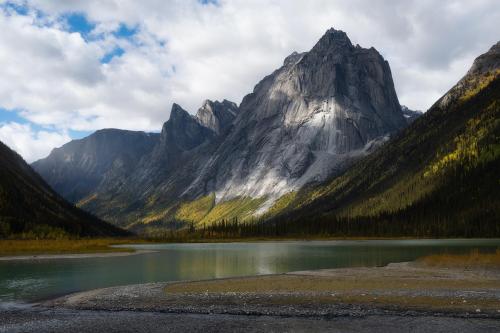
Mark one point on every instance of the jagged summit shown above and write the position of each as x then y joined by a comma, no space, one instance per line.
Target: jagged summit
333,38
178,113
182,131
218,116
304,122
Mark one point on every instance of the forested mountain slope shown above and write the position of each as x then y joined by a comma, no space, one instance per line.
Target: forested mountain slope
30,208
439,177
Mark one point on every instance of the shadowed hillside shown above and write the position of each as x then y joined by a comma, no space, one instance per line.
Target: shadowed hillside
30,208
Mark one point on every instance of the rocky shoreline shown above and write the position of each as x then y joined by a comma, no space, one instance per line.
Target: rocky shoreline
388,299
395,289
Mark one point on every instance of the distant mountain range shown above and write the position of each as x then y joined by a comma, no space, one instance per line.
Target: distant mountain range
308,120
30,208
304,146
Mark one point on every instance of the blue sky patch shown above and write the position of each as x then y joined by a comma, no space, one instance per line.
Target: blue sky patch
79,134
7,116
19,9
117,52
77,22
125,31
12,116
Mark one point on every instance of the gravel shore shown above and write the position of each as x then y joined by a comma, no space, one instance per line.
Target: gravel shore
55,321
397,288
399,297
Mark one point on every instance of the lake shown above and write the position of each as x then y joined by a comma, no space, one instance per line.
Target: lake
28,281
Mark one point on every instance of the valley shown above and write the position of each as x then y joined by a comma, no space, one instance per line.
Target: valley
319,202
345,168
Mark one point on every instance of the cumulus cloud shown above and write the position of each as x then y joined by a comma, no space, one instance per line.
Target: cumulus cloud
29,143
188,51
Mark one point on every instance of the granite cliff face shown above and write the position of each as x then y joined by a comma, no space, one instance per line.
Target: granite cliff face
217,116
304,122
436,178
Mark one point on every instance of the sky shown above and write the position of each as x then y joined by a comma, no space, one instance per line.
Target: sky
69,68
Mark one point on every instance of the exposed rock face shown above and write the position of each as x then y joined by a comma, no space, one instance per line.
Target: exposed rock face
184,132
318,110
410,115
217,116
442,169
305,121
76,169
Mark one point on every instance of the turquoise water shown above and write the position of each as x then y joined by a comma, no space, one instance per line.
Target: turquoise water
34,280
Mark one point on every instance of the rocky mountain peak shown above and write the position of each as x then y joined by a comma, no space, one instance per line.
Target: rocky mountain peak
178,114
333,39
182,131
304,121
217,116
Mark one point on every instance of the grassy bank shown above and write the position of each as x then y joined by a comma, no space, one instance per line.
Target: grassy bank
475,259
13,247
457,283
62,246
404,287
287,283
198,238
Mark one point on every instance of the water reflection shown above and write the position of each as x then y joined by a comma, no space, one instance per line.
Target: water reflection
40,279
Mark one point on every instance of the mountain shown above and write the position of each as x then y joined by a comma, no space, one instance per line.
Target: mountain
319,110
160,165
437,178
217,116
29,206
410,115
76,169
308,120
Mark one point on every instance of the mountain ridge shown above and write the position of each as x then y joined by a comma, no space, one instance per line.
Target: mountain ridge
29,207
306,121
